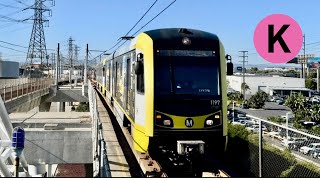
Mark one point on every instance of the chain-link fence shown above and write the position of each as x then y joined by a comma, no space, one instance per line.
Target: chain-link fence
279,151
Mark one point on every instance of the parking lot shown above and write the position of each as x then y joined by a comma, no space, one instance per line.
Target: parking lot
270,109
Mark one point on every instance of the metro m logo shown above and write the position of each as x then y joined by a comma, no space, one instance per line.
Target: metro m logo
189,122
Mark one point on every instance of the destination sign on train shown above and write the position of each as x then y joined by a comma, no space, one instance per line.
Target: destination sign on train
187,53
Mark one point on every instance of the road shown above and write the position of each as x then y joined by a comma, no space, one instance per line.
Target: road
270,109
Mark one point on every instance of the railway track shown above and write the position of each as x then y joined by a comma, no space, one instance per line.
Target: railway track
160,161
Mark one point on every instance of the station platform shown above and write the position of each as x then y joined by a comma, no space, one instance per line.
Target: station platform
117,161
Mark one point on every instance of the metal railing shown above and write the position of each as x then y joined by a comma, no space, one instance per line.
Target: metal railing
6,151
15,91
274,150
101,166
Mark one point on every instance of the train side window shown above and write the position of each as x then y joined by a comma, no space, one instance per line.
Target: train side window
140,83
140,73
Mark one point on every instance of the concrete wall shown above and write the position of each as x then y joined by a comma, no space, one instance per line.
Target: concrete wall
264,83
27,102
67,95
58,147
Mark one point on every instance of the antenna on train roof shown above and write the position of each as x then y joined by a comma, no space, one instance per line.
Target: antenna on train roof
127,37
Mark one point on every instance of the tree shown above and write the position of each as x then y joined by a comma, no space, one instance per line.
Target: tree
83,107
299,106
296,102
235,96
314,113
258,100
276,119
311,84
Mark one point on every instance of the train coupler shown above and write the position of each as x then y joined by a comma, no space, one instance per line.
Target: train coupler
186,147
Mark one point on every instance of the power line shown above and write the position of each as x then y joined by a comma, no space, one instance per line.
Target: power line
12,49
142,17
20,2
155,16
13,44
8,6
312,43
149,21
128,31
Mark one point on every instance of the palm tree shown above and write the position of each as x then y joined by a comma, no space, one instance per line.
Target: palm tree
298,104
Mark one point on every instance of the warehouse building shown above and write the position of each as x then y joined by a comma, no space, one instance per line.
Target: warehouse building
270,84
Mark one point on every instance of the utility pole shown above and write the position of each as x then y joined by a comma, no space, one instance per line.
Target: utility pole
317,78
85,66
70,58
53,62
244,56
57,66
304,58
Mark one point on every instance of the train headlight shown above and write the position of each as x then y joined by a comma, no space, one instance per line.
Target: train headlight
209,122
163,120
167,122
213,120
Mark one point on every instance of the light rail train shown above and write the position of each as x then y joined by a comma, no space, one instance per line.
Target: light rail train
168,85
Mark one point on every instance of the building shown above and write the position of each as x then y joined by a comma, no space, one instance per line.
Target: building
269,84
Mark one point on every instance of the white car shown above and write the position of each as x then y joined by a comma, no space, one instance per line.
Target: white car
255,128
310,148
275,135
294,142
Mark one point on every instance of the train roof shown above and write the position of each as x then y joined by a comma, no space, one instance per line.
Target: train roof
165,34
172,33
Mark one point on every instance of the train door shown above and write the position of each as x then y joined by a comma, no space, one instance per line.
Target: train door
131,91
140,98
127,83
103,78
115,79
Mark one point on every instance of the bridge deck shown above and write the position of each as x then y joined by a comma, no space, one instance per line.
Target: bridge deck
117,161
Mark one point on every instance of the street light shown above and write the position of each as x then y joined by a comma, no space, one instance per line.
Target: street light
233,111
17,146
287,123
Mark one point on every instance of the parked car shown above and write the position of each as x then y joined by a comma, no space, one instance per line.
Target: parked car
240,115
310,148
294,142
244,106
275,135
236,122
279,101
255,128
274,98
316,154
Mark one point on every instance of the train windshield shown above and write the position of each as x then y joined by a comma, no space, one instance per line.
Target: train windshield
187,75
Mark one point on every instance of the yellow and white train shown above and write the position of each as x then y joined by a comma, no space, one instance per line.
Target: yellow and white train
168,85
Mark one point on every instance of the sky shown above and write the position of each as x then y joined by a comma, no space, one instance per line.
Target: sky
100,23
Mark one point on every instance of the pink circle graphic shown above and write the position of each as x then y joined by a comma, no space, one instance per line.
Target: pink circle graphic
292,37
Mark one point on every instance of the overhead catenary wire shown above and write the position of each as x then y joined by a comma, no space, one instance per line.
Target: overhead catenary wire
141,17
155,17
128,31
149,22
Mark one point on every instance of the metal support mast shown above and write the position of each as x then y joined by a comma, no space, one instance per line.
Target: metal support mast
37,51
